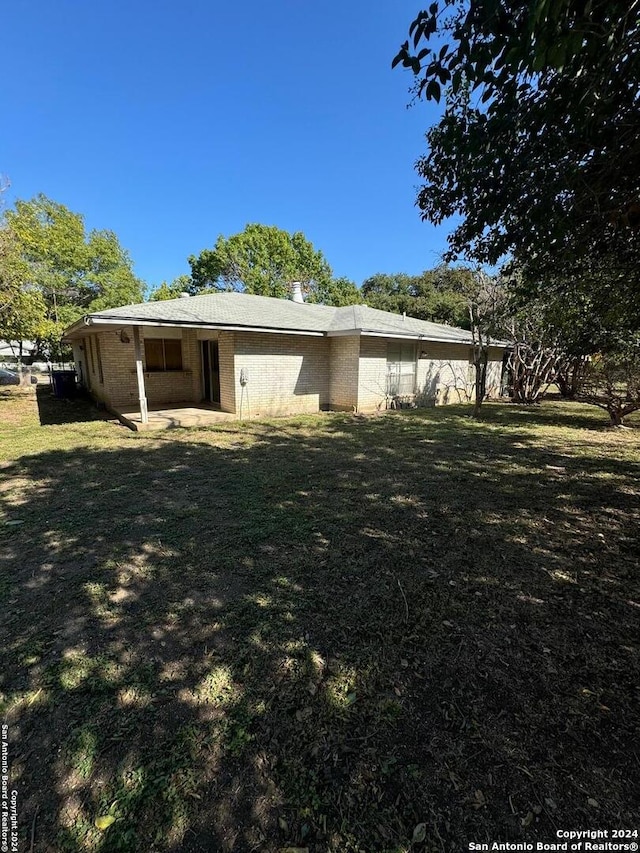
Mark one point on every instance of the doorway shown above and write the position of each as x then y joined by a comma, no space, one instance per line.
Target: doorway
211,372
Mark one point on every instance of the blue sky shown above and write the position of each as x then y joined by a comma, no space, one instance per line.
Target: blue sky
173,122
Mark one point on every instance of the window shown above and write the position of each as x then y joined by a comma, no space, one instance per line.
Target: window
161,354
401,368
99,360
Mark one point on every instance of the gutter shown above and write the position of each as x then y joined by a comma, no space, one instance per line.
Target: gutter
96,320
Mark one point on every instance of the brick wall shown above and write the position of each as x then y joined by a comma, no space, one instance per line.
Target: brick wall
344,353
494,372
288,374
372,375
226,344
444,376
119,388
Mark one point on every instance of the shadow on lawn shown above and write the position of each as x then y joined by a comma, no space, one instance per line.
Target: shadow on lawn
321,638
53,410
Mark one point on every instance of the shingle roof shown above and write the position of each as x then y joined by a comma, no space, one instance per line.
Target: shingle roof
245,310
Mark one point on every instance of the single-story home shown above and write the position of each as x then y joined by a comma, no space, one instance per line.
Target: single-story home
264,356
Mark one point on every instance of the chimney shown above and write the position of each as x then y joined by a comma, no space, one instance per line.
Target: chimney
184,295
296,292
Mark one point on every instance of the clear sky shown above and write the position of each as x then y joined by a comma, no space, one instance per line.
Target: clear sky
173,122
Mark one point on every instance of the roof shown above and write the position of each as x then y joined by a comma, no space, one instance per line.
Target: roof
244,311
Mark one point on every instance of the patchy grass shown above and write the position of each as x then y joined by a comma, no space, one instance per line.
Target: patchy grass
321,632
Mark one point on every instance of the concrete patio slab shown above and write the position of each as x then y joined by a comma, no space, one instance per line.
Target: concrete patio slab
170,417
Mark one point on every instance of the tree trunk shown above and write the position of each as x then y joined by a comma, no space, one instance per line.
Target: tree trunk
616,415
480,364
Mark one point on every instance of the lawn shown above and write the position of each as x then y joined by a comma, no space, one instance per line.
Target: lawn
340,633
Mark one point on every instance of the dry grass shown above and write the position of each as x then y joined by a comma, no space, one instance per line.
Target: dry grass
320,632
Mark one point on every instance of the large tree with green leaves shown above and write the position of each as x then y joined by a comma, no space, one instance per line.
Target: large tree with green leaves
72,272
538,148
265,260
23,311
181,284
434,295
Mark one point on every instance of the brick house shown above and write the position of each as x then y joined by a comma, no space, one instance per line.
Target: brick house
258,355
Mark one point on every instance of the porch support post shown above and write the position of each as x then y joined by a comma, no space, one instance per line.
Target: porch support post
142,396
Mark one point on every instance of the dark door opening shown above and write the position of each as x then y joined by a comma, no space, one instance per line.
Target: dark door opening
211,371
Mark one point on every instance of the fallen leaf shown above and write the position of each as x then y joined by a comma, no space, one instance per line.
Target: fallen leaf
479,799
13,523
419,833
528,820
593,803
105,822
303,714
284,826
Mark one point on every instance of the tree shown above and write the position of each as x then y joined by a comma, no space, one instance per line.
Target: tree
536,357
434,295
261,260
485,303
338,292
22,308
181,284
611,381
538,149
71,271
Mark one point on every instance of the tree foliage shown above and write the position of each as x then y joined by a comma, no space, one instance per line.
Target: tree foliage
261,260
66,269
22,308
338,292
181,284
434,295
538,149
611,381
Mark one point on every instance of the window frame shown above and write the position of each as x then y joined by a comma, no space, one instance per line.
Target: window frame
163,342
99,361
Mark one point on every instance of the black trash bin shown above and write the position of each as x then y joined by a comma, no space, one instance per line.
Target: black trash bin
64,383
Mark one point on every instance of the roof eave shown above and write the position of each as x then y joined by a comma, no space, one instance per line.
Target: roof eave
98,320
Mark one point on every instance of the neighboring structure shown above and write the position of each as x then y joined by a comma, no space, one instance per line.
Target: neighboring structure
15,351
280,356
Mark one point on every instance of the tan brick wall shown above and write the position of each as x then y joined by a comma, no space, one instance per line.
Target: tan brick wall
344,353
288,374
226,344
119,390
372,375
494,371
444,375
